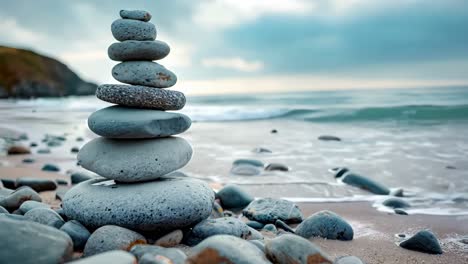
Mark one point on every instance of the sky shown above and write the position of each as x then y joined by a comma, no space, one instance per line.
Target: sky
234,46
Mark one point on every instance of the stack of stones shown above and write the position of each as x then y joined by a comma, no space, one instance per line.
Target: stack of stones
137,152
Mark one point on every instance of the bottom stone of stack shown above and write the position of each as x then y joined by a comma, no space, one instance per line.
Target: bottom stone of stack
163,205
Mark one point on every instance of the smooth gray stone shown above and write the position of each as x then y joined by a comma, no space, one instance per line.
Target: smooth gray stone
348,260
400,212
27,242
396,203
45,216
141,96
14,200
123,122
132,50
329,138
114,257
43,151
74,149
61,182
176,255
226,249
246,170
219,226
111,237
163,205
136,15
145,73
284,226
271,228
3,210
128,29
171,239
37,184
29,205
81,176
29,160
268,210
50,167
276,167
253,162
150,159
423,241
325,224
290,248
232,196
77,232
255,224
254,234
365,183
9,184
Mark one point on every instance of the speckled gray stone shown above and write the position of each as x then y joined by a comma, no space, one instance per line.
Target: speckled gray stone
174,254
150,158
13,200
27,242
136,15
111,237
294,249
123,122
226,249
219,226
29,205
114,257
268,210
144,73
163,205
232,196
45,216
325,224
129,29
132,50
141,96
77,232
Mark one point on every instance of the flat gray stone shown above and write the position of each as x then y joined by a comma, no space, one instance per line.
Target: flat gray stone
163,205
112,237
32,243
144,73
129,29
77,232
325,224
29,205
226,249
123,122
294,249
114,257
150,159
14,200
45,216
136,15
132,50
219,226
37,184
174,254
141,96
268,210
232,196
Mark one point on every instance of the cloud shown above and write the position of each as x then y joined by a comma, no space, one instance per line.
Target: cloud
238,64
14,33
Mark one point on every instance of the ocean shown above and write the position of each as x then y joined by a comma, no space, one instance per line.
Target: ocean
415,139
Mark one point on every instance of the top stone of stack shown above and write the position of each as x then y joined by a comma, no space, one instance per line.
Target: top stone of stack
135,15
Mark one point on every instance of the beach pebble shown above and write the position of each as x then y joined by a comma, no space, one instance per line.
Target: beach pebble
271,228
259,244
174,254
348,260
29,160
128,29
14,200
43,151
150,159
170,240
253,162
74,149
274,131
397,192
152,259
50,167
141,96
37,184
164,205
329,138
423,241
136,15
255,224
29,205
27,242
325,224
268,210
396,203
81,176
276,167
114,257
290,248
226,249
254,234
217,211
79,139
261,150
45,216
61,182
77,232
232,196
33,144
284,226
123,122
144,73
220,226
18,150
246,170
132,50
111,237
365,183
54,143
8,183
60,193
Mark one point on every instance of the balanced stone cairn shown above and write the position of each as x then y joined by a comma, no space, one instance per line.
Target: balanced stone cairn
137,151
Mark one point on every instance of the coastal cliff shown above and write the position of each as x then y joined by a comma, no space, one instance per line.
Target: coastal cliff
26,74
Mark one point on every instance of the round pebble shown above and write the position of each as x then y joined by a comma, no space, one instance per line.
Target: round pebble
136,15
128,29
144,73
